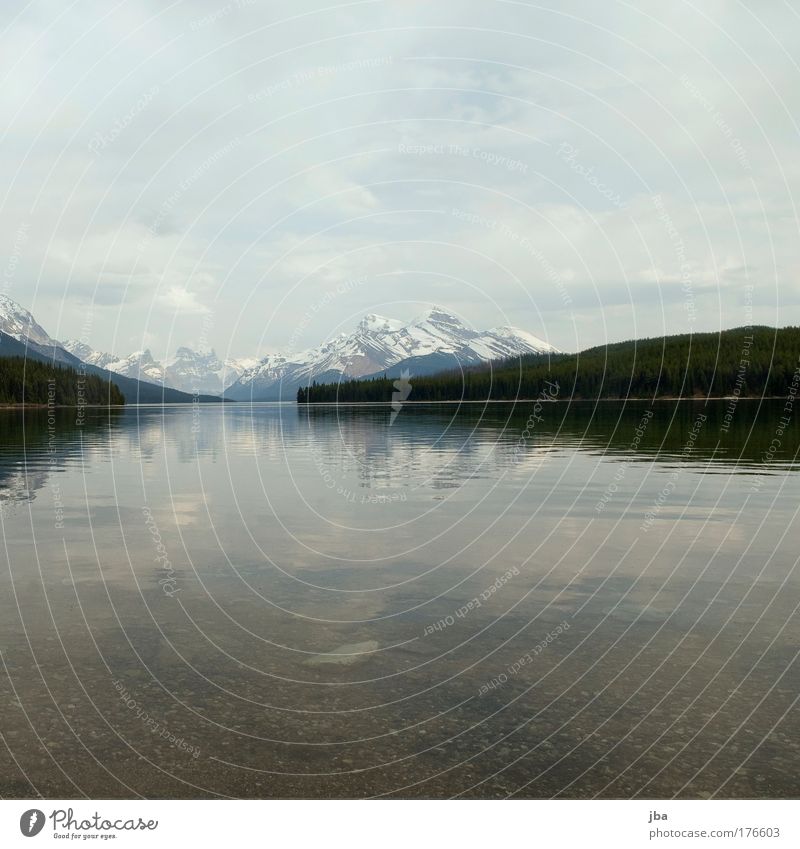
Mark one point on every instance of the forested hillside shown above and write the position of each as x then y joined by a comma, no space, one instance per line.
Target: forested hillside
28,381
747,361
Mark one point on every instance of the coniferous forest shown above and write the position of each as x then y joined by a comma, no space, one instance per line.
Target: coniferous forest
746,361
28,381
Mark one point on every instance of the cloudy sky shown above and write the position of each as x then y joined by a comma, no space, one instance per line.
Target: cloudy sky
256,176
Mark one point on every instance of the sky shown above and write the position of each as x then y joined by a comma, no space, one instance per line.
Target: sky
256,176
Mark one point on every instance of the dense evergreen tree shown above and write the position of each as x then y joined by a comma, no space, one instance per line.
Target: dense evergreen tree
28,381
747,361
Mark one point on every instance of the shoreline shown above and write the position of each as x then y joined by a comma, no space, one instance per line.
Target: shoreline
23,406
212,404
665,398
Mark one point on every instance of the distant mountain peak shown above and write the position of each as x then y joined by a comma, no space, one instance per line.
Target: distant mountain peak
188,371
374,323
16,321
439,312
437,339
185,353
439,315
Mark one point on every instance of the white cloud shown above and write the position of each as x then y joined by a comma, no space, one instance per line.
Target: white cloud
181,301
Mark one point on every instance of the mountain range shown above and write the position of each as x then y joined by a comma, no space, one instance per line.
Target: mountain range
688,366
187,371
434,342
22,336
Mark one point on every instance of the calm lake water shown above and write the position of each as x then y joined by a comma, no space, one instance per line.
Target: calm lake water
553,600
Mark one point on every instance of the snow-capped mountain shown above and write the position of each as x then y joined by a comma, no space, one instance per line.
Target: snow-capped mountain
84,352
139,365
20,324
188,370
22,336
435,341
204,371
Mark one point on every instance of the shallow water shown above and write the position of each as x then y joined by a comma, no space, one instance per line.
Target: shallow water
572,600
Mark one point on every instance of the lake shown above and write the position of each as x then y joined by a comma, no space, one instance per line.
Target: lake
548,600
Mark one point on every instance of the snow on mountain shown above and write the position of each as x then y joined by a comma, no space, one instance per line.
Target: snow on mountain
87,355
19,323
379,343
140,365
203,371
376,344
189,371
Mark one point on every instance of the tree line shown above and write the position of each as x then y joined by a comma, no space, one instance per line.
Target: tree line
27,381
745,362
